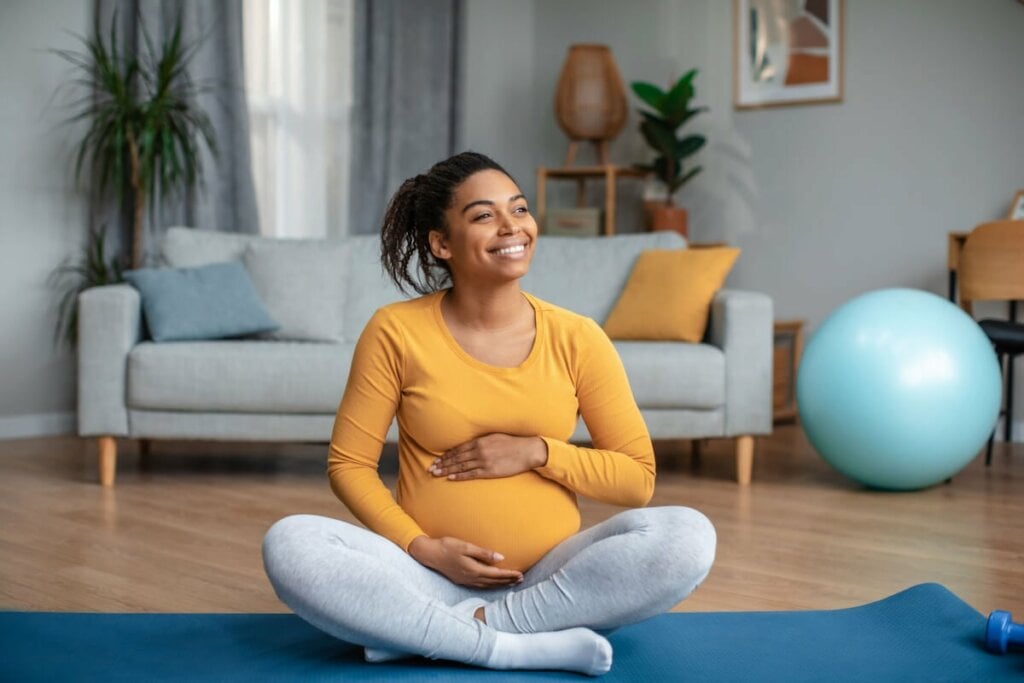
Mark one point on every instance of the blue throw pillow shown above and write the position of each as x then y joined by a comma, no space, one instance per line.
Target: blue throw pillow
209,302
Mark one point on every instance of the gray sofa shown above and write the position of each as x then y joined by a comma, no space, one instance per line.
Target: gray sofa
266,389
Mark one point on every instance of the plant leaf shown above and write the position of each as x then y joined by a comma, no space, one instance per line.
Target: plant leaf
649,93
677,101
679,182
659,136
689,145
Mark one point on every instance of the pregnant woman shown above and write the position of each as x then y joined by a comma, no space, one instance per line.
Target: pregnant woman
479,557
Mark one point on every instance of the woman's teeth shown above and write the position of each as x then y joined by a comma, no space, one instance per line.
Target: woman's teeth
511,250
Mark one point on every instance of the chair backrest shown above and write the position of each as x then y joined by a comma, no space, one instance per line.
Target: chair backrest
992,264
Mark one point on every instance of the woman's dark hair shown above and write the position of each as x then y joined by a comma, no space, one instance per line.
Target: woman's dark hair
417,208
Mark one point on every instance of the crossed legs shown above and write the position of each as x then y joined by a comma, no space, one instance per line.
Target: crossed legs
362,588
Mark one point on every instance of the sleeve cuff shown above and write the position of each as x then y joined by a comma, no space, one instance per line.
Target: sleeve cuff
409,537
555,466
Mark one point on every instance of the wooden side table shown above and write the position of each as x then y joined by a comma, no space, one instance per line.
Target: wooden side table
609,173
788,345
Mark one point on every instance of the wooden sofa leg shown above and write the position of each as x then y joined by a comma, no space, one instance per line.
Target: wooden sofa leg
108,460
744,459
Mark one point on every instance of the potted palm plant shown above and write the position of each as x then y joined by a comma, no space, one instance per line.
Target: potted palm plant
660,128
142,143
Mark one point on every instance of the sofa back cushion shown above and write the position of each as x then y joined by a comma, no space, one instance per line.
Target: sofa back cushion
212,301
188,247
582,274
303,285
369,287
302,282
587,274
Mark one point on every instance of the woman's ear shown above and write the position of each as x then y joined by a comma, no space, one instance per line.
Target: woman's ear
439,245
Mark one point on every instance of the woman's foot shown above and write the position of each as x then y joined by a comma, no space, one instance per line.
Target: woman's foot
575,649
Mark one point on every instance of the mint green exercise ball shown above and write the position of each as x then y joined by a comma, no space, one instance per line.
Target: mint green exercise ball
898,389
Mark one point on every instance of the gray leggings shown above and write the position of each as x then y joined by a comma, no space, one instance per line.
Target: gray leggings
364,589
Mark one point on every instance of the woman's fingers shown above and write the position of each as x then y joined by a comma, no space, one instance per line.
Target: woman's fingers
488,557
456,465
487,572
480,561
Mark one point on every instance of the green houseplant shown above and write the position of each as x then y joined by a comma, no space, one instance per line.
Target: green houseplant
660,128
142,144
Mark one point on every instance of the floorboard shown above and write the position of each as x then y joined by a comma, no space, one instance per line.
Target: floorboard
181,530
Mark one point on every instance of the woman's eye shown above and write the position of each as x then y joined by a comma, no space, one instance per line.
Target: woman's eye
482,215
521,209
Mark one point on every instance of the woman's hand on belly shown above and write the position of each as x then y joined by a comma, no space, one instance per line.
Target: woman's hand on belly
491,457
462,562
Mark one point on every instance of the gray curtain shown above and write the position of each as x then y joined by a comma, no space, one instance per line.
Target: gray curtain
406,114
227,198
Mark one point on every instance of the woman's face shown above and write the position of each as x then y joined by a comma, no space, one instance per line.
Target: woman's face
491,233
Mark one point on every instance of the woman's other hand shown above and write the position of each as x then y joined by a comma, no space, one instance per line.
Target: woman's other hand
491,457
462,562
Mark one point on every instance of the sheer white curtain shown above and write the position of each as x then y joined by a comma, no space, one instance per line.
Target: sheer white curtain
298,75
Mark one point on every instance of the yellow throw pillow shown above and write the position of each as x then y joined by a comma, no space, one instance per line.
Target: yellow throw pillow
669,294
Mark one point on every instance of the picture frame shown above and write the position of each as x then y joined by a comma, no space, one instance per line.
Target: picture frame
787,52
1016,212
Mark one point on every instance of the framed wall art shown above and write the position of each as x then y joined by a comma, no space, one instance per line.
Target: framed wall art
787,52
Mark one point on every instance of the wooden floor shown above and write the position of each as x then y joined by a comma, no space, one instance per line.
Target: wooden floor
181,531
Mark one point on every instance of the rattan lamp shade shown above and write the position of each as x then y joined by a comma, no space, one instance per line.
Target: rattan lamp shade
590,103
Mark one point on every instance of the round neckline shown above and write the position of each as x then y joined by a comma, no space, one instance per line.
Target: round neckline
475,362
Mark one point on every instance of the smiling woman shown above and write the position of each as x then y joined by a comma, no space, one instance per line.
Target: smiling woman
479,556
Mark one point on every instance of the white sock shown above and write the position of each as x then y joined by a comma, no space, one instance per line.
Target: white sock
574,649
377,655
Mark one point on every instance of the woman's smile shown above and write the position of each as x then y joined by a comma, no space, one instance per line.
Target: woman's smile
512,252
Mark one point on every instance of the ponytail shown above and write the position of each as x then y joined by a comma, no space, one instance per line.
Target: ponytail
418,207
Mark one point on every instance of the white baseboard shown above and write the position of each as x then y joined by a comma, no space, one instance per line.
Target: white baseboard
45,424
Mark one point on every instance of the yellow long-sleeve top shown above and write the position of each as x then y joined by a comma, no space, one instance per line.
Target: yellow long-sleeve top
407,362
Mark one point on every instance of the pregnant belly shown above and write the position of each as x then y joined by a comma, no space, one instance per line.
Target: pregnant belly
521,517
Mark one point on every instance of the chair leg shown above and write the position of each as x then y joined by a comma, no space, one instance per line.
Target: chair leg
107,460
988,448
744,459
1008,425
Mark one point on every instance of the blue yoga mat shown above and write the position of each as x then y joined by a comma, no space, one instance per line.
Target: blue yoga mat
925,633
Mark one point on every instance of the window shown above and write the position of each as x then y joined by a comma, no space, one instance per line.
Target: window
298,76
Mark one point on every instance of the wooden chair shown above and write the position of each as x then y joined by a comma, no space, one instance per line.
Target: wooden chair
992,269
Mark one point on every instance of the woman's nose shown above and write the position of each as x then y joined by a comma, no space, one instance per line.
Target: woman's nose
508,224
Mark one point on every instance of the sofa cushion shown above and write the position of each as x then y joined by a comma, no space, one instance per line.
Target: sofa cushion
669,294
369,287
239,377
190,247
209,302
674,374
280,269
302,285
597,269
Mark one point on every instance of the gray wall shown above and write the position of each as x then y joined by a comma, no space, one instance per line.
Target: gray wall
825,201
42,216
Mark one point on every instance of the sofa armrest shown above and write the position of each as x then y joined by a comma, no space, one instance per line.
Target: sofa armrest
109,325
741,325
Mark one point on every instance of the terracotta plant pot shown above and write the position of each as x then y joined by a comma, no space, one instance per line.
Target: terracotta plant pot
671,218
